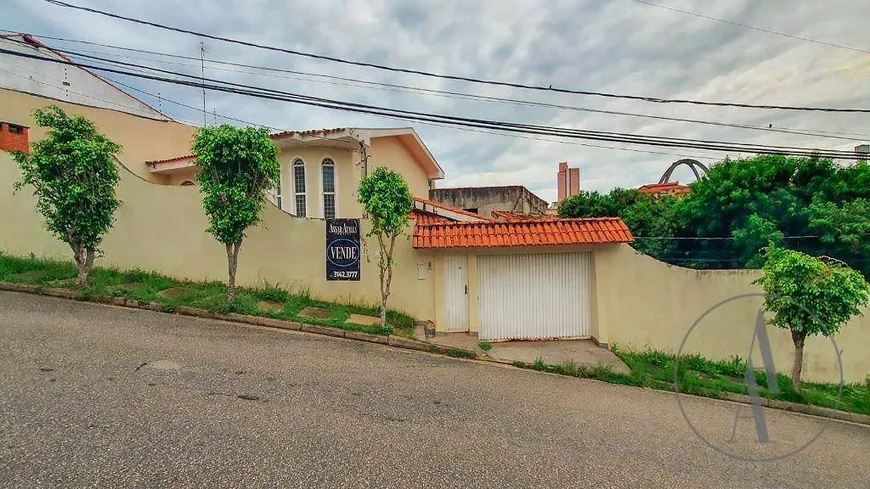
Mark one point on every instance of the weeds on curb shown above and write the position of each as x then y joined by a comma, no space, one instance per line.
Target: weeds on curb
701,376
484,345
459,353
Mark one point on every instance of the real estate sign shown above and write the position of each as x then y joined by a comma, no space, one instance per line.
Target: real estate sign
342,249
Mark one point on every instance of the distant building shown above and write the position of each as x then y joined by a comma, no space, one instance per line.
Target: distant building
485,200
674,189
567,181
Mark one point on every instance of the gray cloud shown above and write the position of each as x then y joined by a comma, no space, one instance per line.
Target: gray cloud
618,46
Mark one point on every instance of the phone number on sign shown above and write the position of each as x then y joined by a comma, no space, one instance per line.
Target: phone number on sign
345,274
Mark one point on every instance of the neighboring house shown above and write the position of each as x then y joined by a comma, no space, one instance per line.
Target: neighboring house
143,132
674,189
63,82
321,169
485,200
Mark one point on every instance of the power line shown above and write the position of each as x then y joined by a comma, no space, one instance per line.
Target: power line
460,121
451,77
747,147
481,131
446,93
461,95
759,29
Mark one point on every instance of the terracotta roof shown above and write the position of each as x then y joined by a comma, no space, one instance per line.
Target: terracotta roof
177,158
452,209
423,217
517,216
311,132
603,230
654,188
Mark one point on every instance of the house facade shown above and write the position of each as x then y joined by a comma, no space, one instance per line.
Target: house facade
321,169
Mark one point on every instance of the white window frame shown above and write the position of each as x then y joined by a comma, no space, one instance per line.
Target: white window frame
334,192
279,201
304,193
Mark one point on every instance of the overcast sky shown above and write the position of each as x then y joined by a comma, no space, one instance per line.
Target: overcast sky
619,46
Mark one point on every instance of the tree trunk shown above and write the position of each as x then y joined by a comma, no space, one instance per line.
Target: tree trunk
85,268
232,265
84,262
798,338
386,276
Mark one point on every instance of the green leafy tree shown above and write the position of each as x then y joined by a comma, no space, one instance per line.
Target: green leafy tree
587,204
742,198
809,297
757,234
238,166
73,175
646,216
387,203
845,227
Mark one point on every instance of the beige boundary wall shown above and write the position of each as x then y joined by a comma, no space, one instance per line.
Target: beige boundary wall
162,228
639,302
643,302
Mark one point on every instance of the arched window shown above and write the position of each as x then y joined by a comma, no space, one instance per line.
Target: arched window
187,183
299,187
328,172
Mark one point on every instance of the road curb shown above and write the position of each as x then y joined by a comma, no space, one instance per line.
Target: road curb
800,408
391,340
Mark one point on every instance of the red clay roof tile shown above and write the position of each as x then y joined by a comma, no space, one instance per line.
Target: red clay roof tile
550,232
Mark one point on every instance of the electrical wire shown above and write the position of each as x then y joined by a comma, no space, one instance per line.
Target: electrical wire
759,29
452,77
452,94
223,116
747,147
458,121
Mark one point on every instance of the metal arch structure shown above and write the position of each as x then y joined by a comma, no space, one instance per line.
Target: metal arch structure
695,165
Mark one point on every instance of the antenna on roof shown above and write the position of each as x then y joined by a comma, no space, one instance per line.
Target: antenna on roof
202,66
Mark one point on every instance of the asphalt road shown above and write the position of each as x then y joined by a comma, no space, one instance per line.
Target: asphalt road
96,396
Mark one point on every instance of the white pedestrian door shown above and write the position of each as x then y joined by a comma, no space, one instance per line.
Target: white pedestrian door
456,293
535,296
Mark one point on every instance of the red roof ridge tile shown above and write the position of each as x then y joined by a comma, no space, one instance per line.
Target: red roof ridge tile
174,158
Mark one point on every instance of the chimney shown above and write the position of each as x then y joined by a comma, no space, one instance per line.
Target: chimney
14,137
862,152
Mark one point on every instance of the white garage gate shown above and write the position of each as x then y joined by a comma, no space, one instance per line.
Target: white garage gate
535,296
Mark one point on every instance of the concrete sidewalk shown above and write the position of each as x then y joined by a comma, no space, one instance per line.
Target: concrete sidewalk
581,352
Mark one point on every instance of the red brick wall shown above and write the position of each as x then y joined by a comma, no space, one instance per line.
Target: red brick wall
10,141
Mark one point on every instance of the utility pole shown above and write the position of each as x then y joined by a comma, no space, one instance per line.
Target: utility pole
202,66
